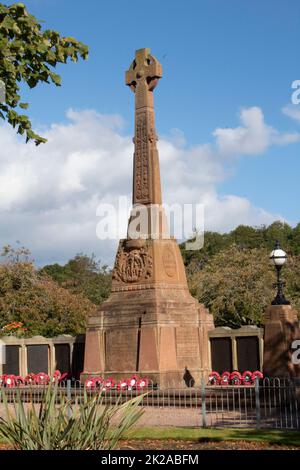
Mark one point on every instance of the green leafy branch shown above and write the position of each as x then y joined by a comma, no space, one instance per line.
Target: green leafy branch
29,55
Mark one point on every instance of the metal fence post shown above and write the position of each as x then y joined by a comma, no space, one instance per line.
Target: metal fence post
257,402
203,403
69,409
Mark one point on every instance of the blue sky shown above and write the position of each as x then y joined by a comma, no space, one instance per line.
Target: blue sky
218,58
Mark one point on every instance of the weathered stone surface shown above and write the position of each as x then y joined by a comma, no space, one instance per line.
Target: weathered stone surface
281,329
150,324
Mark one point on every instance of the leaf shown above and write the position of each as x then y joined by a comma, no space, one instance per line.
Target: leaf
28,54
55,78
93,426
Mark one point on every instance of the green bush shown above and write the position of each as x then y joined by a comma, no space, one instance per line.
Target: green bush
56,424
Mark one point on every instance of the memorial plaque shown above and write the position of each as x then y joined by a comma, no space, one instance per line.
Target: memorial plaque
12,357
38,358
62,357
221,354
248,353
187,342
77,359
122,345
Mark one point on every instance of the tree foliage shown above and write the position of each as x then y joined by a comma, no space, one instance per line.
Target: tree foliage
29,55
236,286
232,275
36,300
244,237
82,275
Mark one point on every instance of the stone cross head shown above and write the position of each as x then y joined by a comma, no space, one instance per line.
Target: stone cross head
144,68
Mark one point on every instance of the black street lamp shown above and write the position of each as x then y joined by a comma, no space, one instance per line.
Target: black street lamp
278,258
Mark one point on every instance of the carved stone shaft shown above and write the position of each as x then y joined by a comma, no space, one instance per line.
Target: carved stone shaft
142,77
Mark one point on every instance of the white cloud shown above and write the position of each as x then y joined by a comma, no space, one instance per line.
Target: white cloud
253,137
292,111
49,194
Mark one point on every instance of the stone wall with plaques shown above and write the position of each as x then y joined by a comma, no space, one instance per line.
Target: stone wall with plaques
236,349
39,354
12,360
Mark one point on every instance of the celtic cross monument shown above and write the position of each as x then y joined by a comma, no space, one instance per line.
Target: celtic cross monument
150,325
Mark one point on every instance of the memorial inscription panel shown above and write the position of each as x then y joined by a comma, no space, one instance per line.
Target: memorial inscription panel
187,342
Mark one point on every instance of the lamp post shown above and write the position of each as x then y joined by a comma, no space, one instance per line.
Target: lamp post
278,258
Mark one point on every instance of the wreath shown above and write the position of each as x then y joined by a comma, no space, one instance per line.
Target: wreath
247,377
19,380
9,381
142,383
256,375
235,378
90,383
98,382
42,378
122,385
56,376
225,378
108,384
214,378
132,382
30,379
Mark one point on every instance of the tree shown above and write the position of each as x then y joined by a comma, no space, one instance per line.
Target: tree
279,231
29,55
237,285
197,259
36,300
247,237
83,274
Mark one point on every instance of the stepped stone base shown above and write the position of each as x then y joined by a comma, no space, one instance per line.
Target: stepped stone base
154,329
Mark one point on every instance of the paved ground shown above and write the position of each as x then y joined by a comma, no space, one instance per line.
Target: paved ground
192,417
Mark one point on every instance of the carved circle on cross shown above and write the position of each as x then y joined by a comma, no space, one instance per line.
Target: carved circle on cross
144,69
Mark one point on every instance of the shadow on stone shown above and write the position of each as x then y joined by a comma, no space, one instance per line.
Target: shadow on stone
188,378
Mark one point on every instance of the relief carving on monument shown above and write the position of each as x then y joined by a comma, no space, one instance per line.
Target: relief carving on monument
169,262
141,158
152,136
133,265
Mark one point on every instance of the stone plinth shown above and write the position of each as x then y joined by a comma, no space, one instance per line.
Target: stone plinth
281,329
153,327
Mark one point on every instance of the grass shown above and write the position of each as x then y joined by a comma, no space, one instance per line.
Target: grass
213,435
217,435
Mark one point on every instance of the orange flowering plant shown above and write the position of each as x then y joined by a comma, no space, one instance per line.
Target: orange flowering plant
15,328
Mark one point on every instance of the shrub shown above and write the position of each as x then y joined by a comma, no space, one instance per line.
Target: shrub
56,424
